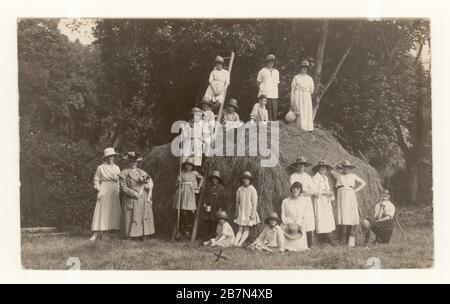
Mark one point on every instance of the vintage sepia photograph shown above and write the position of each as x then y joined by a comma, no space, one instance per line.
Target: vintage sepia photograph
225,144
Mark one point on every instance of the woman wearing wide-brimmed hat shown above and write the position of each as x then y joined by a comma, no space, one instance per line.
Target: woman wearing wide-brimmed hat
268,80
246,208
189,184
213,202
322,199
137,206
272,237
224,233
300,175
106,182
219,80
294,211
302,88
347,203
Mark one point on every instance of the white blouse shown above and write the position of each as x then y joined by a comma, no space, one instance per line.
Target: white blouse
269,78
303,83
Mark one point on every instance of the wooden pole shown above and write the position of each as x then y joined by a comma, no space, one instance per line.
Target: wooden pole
176,231
202,193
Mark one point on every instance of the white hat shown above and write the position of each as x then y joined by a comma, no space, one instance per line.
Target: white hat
109,152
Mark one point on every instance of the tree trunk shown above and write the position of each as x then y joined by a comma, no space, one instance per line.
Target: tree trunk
412,179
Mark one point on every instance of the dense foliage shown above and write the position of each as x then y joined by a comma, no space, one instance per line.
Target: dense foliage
139,76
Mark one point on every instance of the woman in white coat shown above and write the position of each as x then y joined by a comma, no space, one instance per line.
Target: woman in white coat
302,88
322,199
294,212
107,210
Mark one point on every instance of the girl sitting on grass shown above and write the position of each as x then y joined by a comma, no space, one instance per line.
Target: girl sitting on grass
246,209
224,234
272,237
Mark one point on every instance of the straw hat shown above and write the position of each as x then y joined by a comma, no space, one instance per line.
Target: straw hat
247,174
188,161
322,163
306,64
347,164
270,57
133,156
233,103
290,117
300,161
109,152
219,59
222,215
216,174
196,110
273,216
292,231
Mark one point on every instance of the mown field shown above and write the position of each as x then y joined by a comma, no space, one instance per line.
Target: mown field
417,251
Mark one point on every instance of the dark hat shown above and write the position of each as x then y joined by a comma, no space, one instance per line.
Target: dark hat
188,161
133,157
273,216
366,225
292,231
216,174
222,215
233,103
247,174
262,96
386,192
306,64
206,102
299,161
347,164
219,59
270,57
322,163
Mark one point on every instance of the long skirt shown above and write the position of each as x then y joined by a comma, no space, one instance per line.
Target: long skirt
383,231
310,224
347,207
187,198
302,106
325,222
107,211
138,221
209,94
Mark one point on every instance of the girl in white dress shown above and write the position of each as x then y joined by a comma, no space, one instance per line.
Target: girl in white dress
246,209
347,203
302,88
325,223
219,80
293,212
305,179
106,182
224,233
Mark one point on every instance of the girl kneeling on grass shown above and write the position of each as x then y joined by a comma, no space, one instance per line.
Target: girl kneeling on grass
272,237
224,235
246,209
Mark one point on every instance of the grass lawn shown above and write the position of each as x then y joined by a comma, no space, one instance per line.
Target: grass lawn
53,252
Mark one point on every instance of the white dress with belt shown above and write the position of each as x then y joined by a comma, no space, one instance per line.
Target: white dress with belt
302,88
347,203
325,222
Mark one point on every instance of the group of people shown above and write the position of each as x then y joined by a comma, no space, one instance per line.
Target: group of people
266,109
124,202
124,199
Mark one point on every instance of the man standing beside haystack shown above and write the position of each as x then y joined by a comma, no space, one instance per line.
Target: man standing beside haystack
268,80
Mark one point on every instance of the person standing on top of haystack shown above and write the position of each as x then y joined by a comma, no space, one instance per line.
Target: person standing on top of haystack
137,189
189,183
302,89
293,215
268,80
305,179
196,138
229,116
213,202
322,199
272,237
107,210
347,203
259,112
246,209
208,115
382,224
219,80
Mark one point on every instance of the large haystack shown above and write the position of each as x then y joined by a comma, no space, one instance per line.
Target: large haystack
272,183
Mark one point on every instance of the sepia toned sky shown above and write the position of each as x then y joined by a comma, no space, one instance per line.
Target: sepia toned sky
83,31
